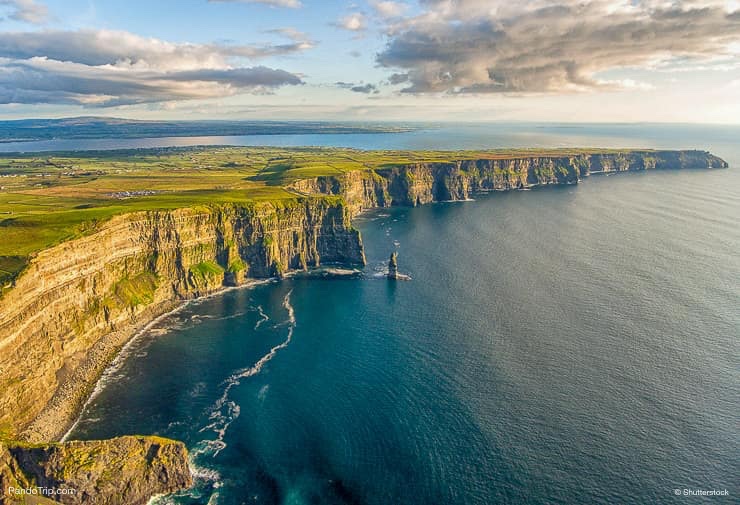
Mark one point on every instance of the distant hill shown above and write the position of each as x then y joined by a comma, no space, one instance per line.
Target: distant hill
91,127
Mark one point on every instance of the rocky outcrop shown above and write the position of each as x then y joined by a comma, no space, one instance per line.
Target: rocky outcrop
393,273
67,314
420,183
393,266
122,470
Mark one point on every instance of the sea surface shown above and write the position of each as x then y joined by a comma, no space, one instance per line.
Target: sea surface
446,136
565,345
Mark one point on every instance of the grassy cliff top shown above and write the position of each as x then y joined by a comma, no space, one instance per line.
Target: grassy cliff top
46,198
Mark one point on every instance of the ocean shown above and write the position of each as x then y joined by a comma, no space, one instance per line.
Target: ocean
564,345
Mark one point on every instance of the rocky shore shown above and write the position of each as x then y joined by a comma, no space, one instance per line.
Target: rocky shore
73,393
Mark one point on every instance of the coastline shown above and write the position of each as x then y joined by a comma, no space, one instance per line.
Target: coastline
79,392
61,415
64,411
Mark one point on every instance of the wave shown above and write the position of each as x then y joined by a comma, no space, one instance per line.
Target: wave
226,411
149,329
263,317
111,373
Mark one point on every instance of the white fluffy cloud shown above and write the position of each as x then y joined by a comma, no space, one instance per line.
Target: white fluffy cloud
488,46
28,11
388,9
354,22
103,68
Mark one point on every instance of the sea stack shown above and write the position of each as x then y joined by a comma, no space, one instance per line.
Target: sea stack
393,266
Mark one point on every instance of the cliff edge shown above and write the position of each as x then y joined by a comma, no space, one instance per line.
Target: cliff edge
122,470
421,183
77,303
73,307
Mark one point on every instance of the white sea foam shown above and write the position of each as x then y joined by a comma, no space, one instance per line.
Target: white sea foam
225,411
172,424
197,389
160,499
206,479
263,317
112,372
204,474
230,316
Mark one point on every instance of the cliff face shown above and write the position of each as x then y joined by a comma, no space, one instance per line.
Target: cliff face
53,320
122,470
417,184
75,305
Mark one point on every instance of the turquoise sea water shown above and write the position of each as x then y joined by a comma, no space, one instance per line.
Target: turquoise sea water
573,344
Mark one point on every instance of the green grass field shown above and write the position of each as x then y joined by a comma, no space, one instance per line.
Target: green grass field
46,198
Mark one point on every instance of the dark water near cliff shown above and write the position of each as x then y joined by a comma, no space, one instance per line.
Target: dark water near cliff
562,345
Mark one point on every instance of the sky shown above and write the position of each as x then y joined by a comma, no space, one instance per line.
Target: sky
373,60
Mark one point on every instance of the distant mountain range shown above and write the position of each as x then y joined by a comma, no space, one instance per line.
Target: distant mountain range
90,127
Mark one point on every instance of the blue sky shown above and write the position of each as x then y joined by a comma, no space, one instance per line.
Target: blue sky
562,60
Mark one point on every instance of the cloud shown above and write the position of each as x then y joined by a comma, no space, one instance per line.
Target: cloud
365,88
493,46
354,22
388,10
292,4
398,78
106,68
27,11
358,88
290,33
120,48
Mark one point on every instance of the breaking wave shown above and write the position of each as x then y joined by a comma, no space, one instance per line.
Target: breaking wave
225,411
263,317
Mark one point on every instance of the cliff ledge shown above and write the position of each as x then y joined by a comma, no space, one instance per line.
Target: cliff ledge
122,470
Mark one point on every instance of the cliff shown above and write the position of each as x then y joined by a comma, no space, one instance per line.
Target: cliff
420,183
72,309
77,303
122,470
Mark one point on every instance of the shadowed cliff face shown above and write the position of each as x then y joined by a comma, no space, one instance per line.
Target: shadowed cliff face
122,470
417,184
52,321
